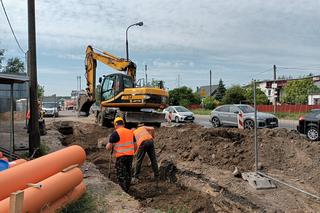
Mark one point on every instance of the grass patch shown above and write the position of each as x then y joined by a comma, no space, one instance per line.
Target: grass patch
84,204
44,149
201,111
288,115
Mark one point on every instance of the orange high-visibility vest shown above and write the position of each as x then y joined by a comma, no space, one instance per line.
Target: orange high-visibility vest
141,134
125,145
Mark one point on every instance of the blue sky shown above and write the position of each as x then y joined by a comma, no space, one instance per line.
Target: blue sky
236,39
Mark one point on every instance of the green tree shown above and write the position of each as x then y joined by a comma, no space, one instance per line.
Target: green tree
221,90
296,92
234,95
183,96
210,103
40,92
14,65
260,96
1,57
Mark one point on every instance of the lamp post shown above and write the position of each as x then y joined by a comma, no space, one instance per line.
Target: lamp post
127,49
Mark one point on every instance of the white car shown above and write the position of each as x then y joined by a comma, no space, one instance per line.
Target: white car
50,109
179,114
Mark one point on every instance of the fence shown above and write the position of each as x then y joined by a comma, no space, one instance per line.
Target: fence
18,139
287,108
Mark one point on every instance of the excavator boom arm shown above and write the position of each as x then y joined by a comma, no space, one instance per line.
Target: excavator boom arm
112,61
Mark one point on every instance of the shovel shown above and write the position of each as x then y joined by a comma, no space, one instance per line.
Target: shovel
109,167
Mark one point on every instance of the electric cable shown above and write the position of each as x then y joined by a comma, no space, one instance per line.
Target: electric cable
12,31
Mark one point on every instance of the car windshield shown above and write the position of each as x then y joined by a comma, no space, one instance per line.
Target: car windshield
181,109
246,109
49,105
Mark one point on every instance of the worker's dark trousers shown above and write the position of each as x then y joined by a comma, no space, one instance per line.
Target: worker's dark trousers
123,167
146,147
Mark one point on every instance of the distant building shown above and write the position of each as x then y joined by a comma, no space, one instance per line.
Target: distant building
274,90
204,91
314,99
20,91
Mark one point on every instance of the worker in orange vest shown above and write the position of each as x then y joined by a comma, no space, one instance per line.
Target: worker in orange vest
122,142
144,136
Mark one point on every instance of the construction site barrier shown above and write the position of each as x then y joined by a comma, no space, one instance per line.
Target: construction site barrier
240,120
34,171
47,191
71,197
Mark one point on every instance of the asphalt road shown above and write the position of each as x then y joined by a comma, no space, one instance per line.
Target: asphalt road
199,119
204,121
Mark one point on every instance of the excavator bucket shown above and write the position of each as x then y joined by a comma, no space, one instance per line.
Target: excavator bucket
145,117
84,104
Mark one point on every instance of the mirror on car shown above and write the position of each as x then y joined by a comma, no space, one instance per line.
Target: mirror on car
100,80
236,112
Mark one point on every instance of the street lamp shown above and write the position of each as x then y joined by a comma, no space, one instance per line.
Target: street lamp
136,24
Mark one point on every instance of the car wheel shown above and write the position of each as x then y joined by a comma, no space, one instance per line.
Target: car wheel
215,122
313,133
249,124
176,119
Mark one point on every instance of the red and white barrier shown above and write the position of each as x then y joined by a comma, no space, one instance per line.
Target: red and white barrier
240,120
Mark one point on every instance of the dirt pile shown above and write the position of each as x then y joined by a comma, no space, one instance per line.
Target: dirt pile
225,148
280,150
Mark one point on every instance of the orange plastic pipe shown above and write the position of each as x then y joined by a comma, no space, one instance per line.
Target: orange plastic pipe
71,197
53,188
34,171
16,162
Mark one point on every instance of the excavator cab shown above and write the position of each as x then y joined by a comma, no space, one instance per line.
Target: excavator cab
113,84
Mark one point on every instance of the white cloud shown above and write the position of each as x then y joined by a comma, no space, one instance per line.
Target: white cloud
235,38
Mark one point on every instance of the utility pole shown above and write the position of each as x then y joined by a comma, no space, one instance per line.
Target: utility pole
145,70
34,135
275,89
178,80
77,83
80,82
210,84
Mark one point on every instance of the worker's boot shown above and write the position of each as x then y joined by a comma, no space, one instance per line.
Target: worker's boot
135,180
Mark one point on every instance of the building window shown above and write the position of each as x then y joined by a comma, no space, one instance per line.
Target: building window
269,92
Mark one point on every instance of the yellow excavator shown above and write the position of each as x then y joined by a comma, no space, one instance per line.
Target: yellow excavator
119,93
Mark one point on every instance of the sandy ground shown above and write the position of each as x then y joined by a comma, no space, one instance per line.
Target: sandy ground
196,167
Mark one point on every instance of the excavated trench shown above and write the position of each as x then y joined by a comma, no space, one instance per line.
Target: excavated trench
178,190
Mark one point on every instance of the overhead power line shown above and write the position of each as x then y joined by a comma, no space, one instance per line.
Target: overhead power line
12,31
300,68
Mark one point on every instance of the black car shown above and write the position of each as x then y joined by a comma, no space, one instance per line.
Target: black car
309,125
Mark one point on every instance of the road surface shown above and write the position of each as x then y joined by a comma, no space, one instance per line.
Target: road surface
204,121
199,119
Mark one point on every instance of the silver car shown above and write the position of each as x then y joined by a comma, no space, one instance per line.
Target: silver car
226,115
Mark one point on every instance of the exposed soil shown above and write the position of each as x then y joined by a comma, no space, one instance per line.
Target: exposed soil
196,165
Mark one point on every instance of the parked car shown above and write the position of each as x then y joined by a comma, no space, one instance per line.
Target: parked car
179,114
309,125
227,115
50,109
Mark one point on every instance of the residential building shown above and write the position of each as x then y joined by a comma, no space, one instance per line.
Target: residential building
274,89
204,91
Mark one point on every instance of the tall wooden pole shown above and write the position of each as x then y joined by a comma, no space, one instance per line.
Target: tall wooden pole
210,84
34,135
